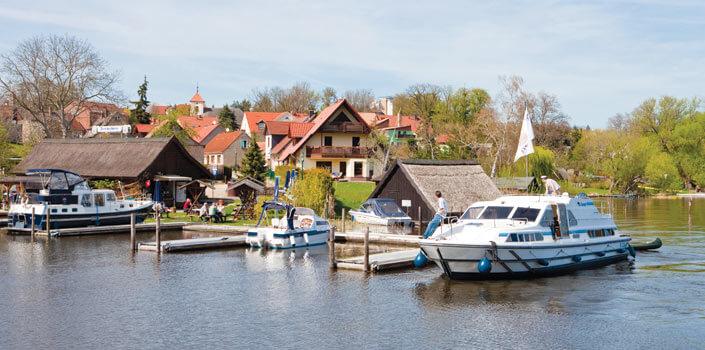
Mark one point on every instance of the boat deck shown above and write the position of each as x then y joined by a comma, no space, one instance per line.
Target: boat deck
381,261
181,245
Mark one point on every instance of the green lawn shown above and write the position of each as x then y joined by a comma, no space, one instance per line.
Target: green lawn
350,195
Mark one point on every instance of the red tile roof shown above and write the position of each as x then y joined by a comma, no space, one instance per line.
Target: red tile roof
253,118
222,141
281,145
399,122
277,128
299,130
144,128
197,98
158,110
369,117
321,119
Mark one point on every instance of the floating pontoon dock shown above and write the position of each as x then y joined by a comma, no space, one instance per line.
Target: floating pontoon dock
98,230
224,229
381,261
180,245
378,238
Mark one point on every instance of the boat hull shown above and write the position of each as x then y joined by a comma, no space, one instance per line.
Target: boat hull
462,262
365,218
283,239
59,221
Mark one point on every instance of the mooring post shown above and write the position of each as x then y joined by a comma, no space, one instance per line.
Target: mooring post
32,230
366,261
133,231
343,218
420,222
159,234
48,221
331,249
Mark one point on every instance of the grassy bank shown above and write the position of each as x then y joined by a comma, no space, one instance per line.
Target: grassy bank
350,195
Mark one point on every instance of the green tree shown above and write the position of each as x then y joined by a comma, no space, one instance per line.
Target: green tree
314,189
169,126
253,164
226,118
662,174
244,105
139,113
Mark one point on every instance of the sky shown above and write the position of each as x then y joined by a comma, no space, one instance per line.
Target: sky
599,58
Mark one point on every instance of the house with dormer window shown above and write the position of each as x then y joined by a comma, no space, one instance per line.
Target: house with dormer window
335,139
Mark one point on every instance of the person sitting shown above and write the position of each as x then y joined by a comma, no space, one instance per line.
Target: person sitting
187,205
203,212
220,212
213,213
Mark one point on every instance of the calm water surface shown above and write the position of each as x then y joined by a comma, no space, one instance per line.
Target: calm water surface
90,292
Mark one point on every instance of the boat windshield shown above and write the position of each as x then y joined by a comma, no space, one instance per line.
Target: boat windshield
529,214
472,213
496,213
389,208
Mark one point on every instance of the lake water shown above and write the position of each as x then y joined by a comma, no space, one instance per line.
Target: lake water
91,292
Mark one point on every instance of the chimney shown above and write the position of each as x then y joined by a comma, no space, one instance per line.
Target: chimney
398,120
311,113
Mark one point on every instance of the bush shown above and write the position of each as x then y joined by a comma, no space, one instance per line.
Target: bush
313,189
281,172
103,184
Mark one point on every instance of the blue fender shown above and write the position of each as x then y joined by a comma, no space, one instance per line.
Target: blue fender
421,260
577,258
484,265
542,262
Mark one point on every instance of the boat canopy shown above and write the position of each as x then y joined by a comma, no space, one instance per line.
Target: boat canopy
58,179
383,207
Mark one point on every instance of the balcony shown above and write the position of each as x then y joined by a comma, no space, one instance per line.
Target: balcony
343,127
337,152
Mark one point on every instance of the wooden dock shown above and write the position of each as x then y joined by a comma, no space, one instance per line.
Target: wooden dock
378,238
98,230
181,245
381,261
222,229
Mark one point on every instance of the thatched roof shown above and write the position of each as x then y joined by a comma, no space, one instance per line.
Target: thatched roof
462,182
109,158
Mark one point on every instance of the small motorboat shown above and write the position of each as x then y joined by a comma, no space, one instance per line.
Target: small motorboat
526,236
653,245
298,227
70,202
380,211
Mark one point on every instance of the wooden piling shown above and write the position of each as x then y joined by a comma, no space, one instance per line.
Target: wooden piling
133,232
331,249
48,221
32,229
343,218
158,232
420,222
366,262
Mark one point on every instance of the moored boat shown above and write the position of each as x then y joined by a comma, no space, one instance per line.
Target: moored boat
527,236
69,201
380,211
298,227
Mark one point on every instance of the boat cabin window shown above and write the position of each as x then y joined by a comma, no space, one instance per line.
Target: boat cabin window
525,237
529,214
496,213
99,199
601,232
58,181
547,218
472,213
572,221
110,197
86,200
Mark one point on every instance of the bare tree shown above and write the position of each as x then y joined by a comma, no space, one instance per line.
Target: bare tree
300,98
328,96
360,99
54,78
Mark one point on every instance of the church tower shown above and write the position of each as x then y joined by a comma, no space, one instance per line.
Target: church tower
198,104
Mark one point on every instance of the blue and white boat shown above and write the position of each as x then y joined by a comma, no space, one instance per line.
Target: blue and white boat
527,236
381,211
298,227
70,202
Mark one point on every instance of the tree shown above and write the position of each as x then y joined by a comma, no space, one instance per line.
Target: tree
53,78
244,105
360,99
139,113
226,118
328,96
169,126
253,163
299,98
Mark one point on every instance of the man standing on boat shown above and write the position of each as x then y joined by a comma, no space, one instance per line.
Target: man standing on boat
440,215
552,187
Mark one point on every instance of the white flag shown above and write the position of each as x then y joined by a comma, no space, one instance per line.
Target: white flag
526,137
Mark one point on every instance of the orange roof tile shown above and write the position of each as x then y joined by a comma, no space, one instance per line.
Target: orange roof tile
277,128
144,128
281,145
222,141
197,98
253,118
299,130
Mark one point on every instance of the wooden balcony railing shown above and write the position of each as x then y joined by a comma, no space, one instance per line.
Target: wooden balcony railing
343,127
338,152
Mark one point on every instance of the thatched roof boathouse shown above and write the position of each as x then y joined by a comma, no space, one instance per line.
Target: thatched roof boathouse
130,160
414,182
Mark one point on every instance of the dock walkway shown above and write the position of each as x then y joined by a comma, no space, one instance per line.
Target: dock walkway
98,230
378,238
381,261
180,245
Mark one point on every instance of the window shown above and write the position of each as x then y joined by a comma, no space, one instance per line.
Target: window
525,237
496,213
355,141
472,213
73,210
110,197
99,199
596,233
64,210
86,200
572,221
327,140
529,214
343,168
243,144
357,169
324,165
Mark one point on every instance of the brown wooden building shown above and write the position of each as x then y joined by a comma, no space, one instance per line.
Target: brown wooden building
412,184
129,160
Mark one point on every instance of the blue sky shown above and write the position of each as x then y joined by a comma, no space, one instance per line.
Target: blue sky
600,58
